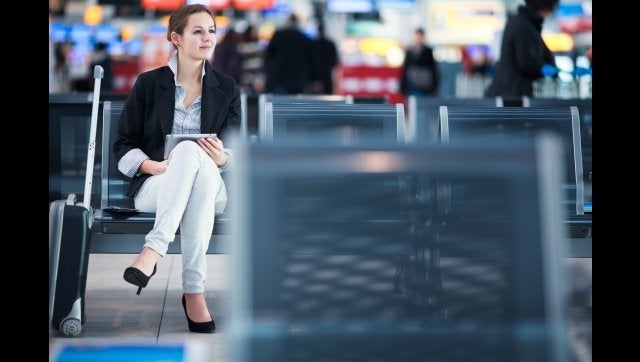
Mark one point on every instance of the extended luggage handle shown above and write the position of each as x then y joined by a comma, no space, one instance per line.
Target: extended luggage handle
98,73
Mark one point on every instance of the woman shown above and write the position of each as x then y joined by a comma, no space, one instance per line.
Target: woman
185,190
523,52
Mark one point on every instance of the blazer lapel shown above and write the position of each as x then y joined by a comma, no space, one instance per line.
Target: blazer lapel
165,101
210,109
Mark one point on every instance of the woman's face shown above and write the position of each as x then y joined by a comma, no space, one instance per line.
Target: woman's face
198,38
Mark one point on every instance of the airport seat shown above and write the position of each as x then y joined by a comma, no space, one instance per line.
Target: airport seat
113,229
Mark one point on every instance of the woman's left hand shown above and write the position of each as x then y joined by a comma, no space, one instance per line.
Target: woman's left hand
215,149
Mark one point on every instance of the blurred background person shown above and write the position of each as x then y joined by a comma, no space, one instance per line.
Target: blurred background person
227,59
289,60
61,67
523,53
101,57
252,51
420,70
326,57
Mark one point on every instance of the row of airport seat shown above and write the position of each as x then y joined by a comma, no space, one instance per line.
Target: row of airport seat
426,109
67,111
113,183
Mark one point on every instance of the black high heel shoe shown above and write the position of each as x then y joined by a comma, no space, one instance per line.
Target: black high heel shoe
136,277
198,327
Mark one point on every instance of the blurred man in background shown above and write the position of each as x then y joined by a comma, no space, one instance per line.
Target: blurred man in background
289,60
326,57
523,56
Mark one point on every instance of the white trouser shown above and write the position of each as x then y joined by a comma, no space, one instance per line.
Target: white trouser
188,194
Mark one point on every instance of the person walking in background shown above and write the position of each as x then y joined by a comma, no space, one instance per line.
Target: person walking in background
227,59
61,67
420,75
523,53
185,190
289,60
326,57
252,51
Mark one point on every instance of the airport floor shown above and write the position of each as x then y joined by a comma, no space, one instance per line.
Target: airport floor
116,315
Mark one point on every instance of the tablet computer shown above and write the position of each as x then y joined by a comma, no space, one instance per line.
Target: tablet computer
171,140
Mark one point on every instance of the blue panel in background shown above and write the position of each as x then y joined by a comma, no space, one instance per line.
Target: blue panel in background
80,33
569,10
106,33
350,6
59,32
398,5
134,47
122,353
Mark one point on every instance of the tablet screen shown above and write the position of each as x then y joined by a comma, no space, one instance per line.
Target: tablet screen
171,140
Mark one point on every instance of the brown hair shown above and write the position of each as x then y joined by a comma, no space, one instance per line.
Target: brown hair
178,19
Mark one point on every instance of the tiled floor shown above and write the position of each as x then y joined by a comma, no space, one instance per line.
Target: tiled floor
116,315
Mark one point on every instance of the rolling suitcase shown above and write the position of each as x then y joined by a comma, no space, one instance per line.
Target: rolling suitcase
69,241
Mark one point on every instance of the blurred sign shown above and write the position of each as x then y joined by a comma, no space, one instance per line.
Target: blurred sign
161,4
93,15
366,81
123,75
212,4
574,18
80,33
106,33
155,48
464,21
59,32
558,42
373,52
253,4
350,6
397,5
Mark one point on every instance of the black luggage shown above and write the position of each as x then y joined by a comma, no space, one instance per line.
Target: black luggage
69,241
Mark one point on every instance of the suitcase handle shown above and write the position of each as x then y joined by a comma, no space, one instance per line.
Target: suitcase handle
98,73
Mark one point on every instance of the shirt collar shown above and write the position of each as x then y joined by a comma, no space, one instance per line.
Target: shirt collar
173,65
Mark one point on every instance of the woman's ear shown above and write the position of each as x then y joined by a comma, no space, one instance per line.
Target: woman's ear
175,38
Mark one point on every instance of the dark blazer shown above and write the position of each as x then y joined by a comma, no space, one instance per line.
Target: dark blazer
522,55
289,62
423,59
147,116
326,57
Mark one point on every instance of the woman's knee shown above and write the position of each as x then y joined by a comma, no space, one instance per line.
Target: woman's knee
188,148
193,151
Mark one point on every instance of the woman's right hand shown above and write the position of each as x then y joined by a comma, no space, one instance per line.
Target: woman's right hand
154,167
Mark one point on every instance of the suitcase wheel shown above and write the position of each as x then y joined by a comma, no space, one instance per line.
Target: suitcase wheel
71,327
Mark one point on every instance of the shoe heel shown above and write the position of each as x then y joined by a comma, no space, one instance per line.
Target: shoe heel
138,278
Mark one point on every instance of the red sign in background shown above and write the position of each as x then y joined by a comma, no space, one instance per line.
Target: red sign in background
253,4
161,4
124,74
367,81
